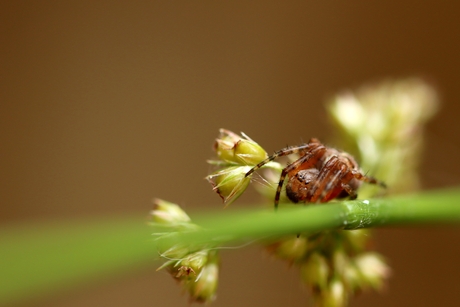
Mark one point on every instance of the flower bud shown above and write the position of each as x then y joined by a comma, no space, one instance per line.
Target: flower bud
232,148
230,183
168,213
174,252
351,277
339,260
183,272
292,248
204,288
195,261
356,239
336,294
372,269
315,272
188,267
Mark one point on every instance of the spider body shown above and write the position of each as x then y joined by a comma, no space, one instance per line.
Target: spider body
319,175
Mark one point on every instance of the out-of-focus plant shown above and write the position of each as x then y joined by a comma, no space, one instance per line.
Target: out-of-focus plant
383,125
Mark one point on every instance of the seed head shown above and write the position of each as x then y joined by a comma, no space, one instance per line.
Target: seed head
168,213
315,272
236,149
372,269
204,287
230,182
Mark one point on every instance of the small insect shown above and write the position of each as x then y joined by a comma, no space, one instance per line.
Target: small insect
319,174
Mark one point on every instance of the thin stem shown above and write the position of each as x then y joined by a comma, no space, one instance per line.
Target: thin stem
45,256
427,207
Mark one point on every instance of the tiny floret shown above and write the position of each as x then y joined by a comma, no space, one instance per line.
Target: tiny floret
236,149
230,182
168,213
204,288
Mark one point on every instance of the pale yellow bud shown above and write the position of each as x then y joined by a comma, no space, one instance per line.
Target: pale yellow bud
230,183
293,248
168,213
315,272
372,269
232,148
204,288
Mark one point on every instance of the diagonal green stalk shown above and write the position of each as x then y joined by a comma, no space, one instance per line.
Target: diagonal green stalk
427,207
43,257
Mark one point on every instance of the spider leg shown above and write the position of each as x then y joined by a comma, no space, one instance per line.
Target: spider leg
333,178
307,161
304,148
350,191
324,179
358,175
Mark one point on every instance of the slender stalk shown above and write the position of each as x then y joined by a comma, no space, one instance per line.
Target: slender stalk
43,257
427,207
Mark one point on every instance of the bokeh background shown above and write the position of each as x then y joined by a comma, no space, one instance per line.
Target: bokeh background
107,104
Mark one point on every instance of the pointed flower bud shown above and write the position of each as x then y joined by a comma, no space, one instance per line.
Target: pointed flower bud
351,278
315,272
372,269
356,239
236,149
339,260
336,294
292,249
188,267
230,182
195,261
174,252
204,287
168,213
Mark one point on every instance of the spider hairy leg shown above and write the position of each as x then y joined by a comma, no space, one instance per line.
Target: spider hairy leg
350,191
358,175
284,152
331,178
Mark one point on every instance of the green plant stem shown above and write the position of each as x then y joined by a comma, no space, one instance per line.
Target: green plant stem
427,207
43,257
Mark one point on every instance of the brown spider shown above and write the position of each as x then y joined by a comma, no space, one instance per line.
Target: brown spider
319,174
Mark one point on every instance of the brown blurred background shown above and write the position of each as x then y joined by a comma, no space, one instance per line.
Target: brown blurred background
105,105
